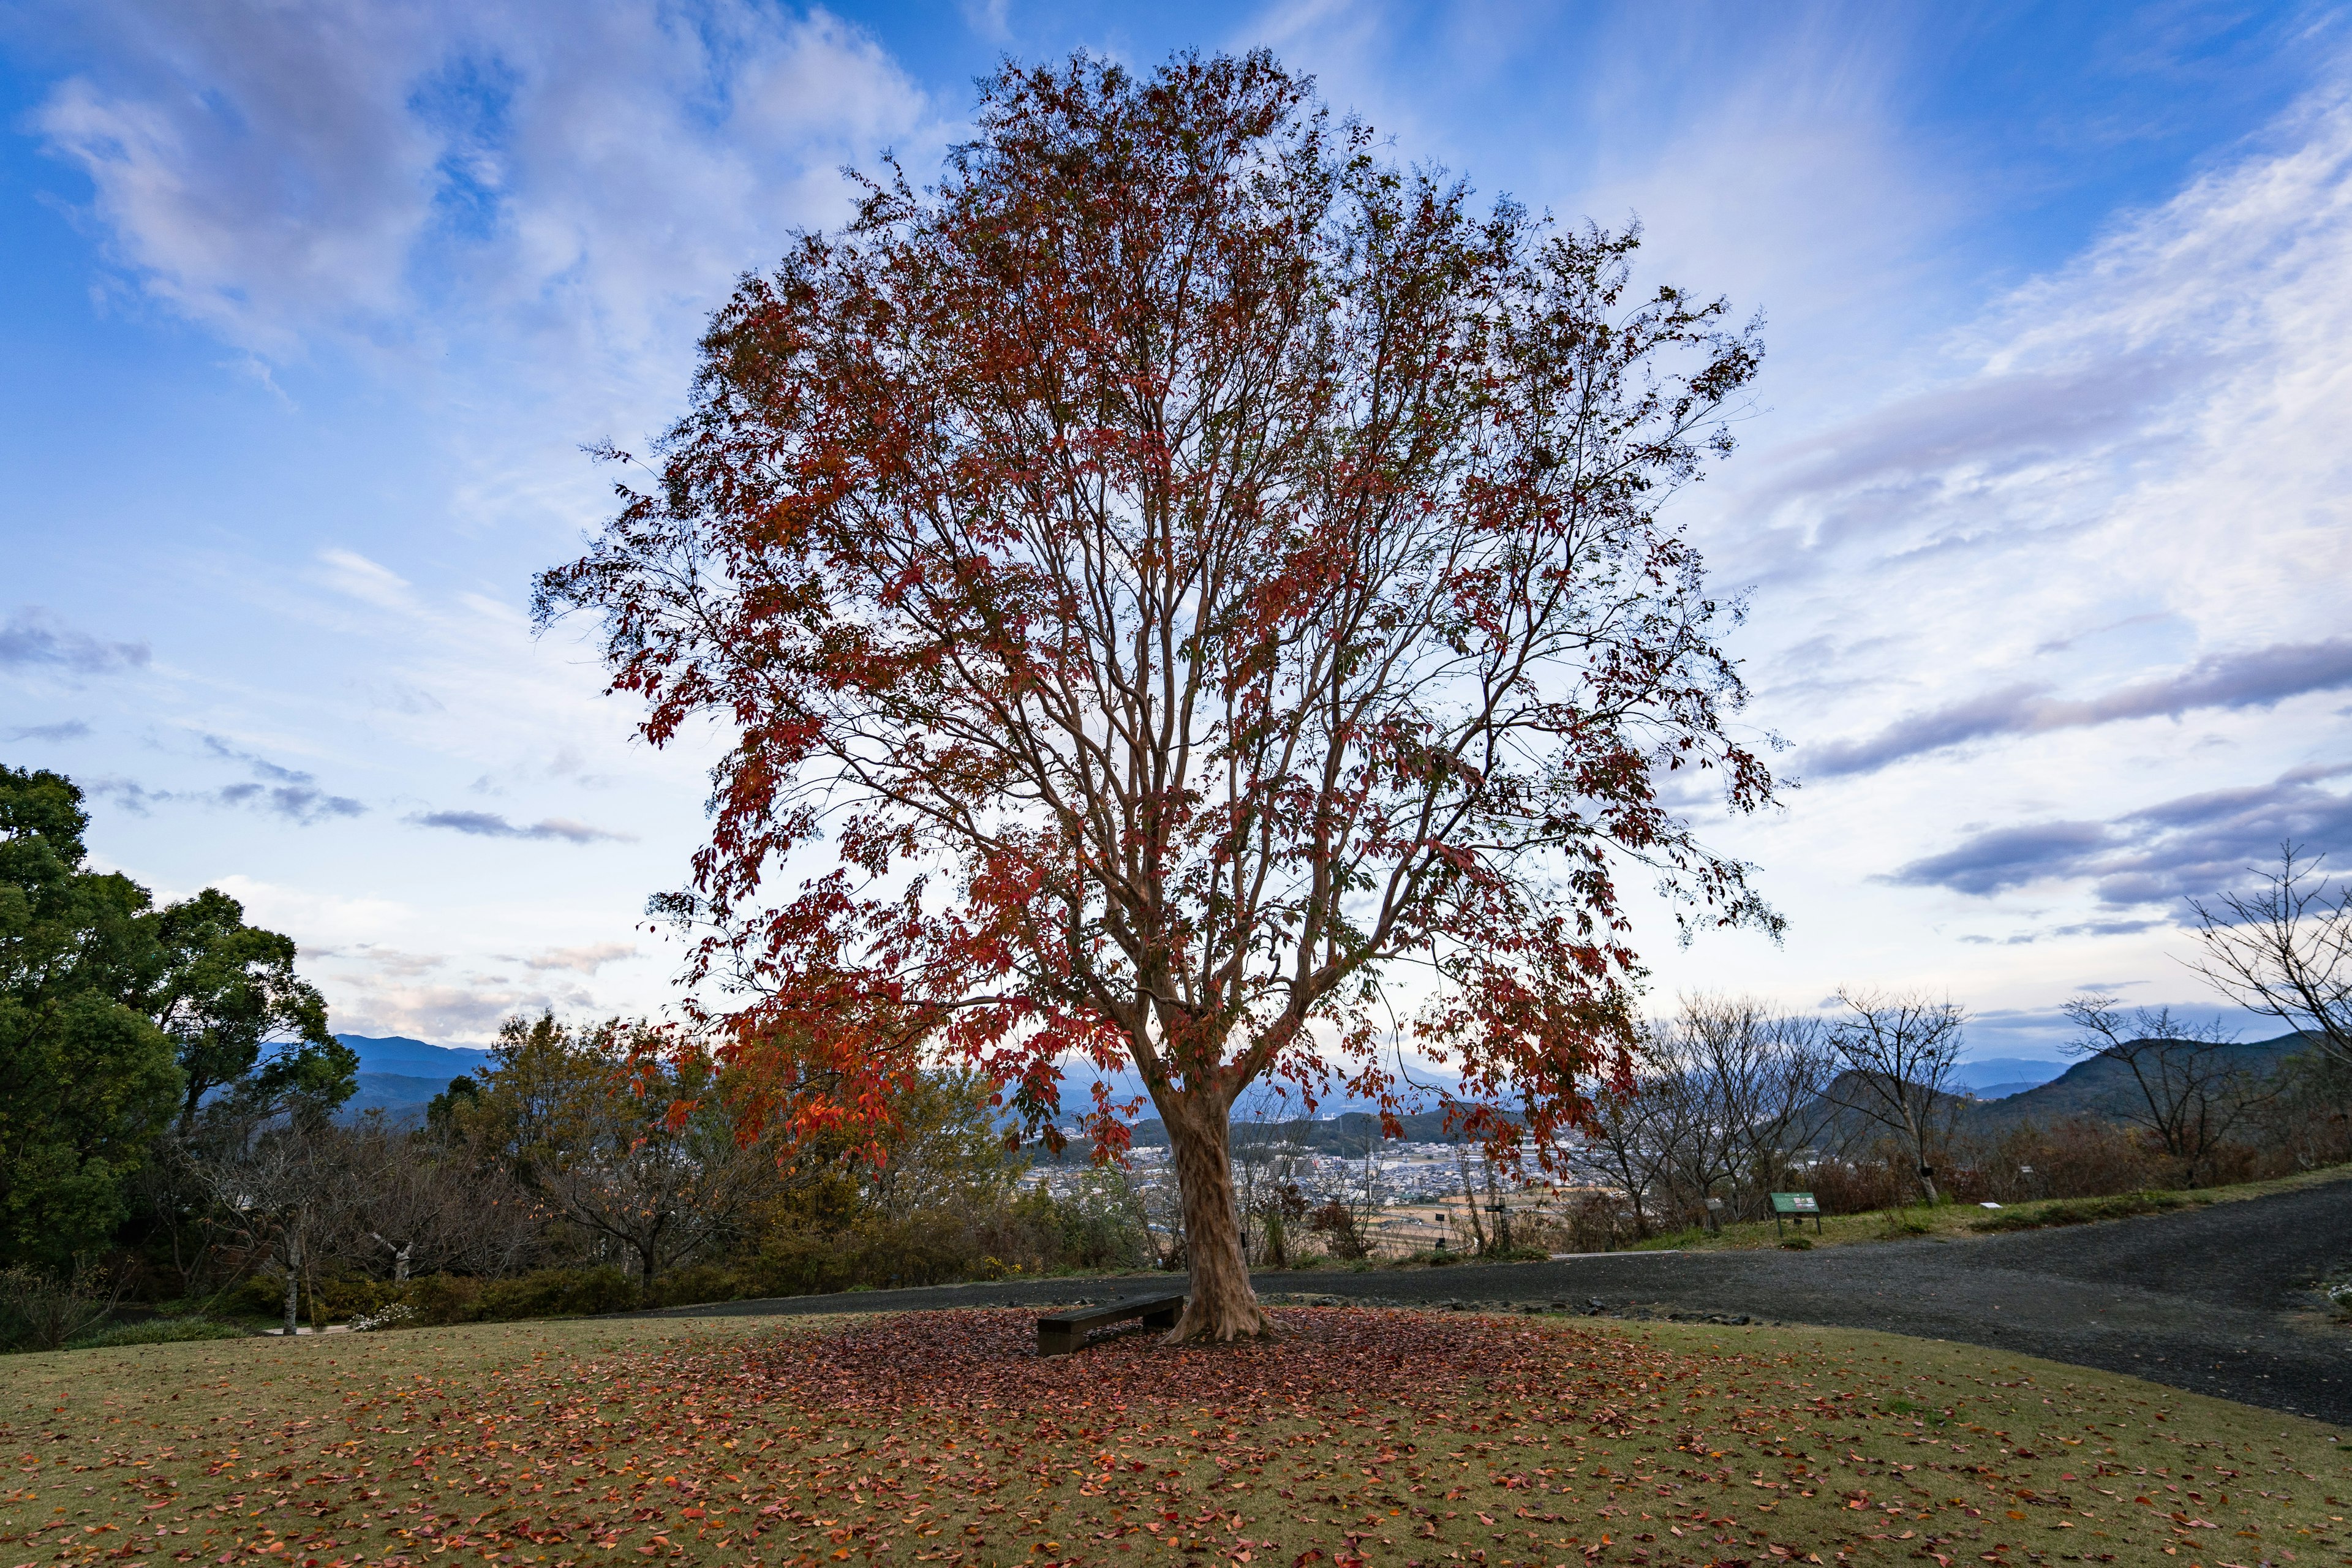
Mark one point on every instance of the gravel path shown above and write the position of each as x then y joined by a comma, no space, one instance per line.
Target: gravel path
2215,1299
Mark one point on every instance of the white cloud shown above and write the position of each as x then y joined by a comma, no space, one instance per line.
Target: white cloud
445,1013
348,572
410,178
314,920
584,960
2081,538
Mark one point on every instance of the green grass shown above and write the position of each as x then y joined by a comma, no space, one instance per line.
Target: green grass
1380,1438
2080,1211
1956,1221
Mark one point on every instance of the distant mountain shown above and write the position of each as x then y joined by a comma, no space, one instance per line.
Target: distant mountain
401,1098
399,1076
2001,1090
2095,1086
1996,1076
399,1054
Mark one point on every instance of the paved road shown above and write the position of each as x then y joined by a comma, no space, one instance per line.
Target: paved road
2215,1299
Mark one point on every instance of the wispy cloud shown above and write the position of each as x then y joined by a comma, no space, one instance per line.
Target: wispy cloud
261,766
70,730
279,791
584,960
2259,678
490,824
2191,845
32,636
304,804
407,177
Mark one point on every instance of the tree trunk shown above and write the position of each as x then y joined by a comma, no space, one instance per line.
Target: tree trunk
293,1281
1470,1198
1502,1212
1222,1305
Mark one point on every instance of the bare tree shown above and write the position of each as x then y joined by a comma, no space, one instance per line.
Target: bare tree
1348,1191
2286,951
1698,1144
1725,1098
1621,1138
1476,1227
278,1178
1750,1083
427,1202
1268,1164
2194,1092
1899,1055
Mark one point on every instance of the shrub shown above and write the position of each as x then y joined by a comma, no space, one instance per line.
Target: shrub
339,1299
557,1293
157,1331
702,1282
43,1311
1336,1222
440,1298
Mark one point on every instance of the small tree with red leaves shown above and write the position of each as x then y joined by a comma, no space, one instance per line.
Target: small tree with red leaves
1183,593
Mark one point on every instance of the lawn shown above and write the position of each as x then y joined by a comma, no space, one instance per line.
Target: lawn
1956,1220
1359,1436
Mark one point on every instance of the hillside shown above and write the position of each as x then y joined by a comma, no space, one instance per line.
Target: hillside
2098,1087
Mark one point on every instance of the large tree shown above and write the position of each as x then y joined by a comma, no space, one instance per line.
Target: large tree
1183,571
87,1081
228,995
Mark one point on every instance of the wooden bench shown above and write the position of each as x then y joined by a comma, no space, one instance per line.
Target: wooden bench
1796,1205
1066,1331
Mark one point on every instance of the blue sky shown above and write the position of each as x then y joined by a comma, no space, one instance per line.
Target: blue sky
2041,508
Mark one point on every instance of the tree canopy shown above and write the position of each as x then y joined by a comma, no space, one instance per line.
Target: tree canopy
1183,571
115,1014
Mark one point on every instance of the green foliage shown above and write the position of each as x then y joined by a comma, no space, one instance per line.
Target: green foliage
114,1015
158,1332
1088,1228
229,990
557,1293
86,1079
623,1131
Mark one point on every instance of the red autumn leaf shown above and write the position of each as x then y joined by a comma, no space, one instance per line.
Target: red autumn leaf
1181,569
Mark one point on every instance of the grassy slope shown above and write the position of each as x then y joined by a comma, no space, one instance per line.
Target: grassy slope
1385,1437
1957,1220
